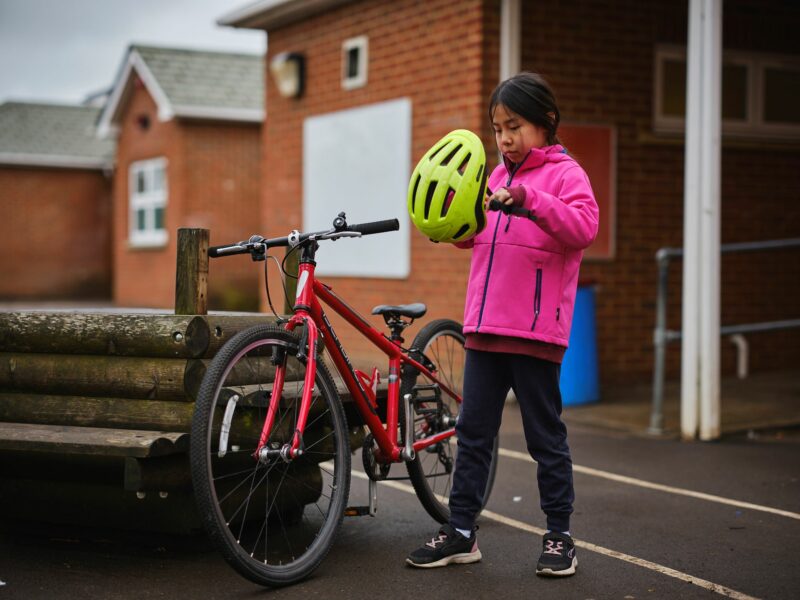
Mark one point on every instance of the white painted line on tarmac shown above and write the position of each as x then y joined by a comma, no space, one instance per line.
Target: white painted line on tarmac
639,562
660,487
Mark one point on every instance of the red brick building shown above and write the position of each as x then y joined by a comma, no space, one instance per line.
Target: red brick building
55,203
618,69
188,131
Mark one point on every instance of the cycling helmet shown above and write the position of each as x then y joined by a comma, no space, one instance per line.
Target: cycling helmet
447,187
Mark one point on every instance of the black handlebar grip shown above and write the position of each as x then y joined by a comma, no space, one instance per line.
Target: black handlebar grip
375,227
509,209
217,251
495,205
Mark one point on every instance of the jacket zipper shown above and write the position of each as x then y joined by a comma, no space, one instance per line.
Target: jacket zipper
491,254
537,298
488,274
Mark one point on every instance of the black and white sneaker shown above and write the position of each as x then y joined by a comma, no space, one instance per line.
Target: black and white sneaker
558,556
449,546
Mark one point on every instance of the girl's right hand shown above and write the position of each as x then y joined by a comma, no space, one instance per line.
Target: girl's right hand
502,195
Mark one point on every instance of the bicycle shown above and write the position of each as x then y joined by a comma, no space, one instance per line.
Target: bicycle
270,445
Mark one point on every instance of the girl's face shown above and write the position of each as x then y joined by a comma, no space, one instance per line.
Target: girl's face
514,135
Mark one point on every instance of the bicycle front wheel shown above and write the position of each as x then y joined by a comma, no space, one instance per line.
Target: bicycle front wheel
272,517
440,342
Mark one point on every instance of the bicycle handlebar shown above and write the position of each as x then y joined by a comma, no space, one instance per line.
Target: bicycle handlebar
296,238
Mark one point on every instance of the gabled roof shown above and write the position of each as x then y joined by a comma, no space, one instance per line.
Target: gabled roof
52,135
190,83
271,14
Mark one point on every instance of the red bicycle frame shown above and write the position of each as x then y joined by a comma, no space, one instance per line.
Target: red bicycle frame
308,312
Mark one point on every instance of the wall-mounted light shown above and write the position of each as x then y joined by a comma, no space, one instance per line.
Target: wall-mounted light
288,72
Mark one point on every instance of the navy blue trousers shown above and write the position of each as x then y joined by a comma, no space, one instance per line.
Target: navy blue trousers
487,378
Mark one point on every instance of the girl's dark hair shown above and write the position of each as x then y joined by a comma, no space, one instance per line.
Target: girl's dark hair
531,97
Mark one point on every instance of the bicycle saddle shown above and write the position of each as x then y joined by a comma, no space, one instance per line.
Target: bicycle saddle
415,311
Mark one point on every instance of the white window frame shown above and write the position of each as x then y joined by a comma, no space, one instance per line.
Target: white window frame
149,200
753,126
361,43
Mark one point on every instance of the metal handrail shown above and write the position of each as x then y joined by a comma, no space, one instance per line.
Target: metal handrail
662,336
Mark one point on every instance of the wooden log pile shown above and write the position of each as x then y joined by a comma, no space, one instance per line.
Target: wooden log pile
103,400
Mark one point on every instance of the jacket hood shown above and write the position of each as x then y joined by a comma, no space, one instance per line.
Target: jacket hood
536,157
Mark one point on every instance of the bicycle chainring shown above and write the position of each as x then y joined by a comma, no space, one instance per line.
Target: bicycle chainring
375,470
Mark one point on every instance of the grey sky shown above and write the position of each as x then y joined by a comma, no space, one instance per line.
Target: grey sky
62,50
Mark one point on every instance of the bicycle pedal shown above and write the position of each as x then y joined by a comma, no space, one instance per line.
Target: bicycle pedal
423,393
363,511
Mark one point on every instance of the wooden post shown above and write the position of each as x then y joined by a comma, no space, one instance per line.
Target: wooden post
292,263
191,273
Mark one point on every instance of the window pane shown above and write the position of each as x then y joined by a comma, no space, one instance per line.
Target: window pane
159,212
352,62
781,96
141,186
673,88
158,178
734,92
141,219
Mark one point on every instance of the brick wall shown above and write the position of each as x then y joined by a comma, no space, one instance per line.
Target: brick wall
599,58
213,182
600,62
55,238
431,52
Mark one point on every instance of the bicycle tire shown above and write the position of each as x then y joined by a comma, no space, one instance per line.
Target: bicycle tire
277,535
424,473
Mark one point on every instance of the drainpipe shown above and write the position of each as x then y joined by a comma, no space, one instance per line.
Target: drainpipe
510,36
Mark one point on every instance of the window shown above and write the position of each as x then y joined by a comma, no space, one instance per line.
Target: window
148,200
760,93
354,62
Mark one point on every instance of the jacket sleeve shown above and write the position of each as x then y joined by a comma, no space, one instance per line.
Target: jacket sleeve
465,245
572,217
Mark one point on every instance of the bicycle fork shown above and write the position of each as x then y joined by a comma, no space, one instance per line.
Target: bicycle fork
306,353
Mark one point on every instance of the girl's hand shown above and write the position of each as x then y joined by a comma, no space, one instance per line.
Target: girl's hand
502,195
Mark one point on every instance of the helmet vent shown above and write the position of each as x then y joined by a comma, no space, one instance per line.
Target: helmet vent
464,228
414,193
463,166
439,149
448,199
449,157
428,200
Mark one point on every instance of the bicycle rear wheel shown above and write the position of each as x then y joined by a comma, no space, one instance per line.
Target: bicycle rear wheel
275,518
441,342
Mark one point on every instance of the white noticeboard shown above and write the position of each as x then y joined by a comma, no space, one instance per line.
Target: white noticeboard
358,161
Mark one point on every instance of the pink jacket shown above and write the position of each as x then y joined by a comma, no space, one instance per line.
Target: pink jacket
524,275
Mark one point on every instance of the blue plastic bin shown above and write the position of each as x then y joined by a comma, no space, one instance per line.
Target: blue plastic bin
579,374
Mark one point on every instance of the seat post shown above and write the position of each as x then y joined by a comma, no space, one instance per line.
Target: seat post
396,326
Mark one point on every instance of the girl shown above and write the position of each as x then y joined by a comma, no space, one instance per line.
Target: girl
520,297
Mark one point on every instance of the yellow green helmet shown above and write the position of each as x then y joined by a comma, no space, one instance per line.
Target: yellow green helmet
447,188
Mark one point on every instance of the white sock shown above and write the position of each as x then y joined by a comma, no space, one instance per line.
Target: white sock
564,532
465,532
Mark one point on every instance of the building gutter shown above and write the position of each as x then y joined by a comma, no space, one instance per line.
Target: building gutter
243,115
19,159
272,14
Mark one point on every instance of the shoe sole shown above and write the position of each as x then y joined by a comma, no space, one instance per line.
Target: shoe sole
464,558
562,573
